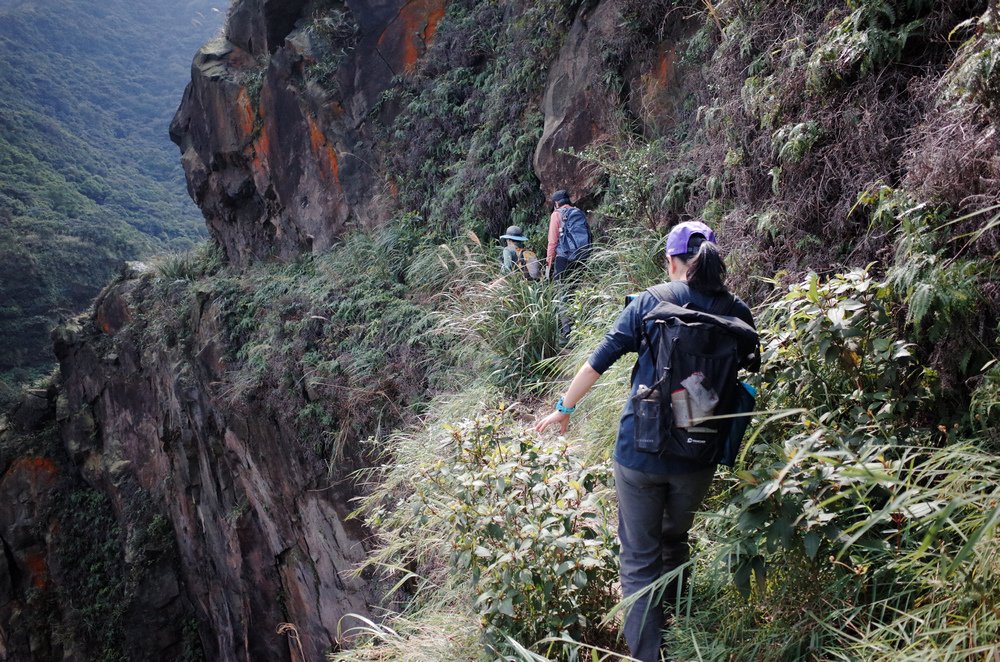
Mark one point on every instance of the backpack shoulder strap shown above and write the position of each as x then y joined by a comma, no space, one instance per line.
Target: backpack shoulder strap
679,293
725,303
663,293
671,293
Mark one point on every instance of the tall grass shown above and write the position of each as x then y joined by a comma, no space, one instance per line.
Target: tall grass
511,321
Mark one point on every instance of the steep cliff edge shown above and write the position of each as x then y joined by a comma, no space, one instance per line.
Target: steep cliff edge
252,525
279,162
144,433
183,491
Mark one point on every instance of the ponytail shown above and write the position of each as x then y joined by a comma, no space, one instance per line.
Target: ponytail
706,269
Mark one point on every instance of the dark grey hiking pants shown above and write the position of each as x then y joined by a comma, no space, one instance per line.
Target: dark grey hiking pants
655,512
564,275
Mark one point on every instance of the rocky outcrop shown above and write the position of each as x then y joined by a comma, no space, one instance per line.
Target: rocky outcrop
282,162
581,109
223,524
278,163
260,532
577,105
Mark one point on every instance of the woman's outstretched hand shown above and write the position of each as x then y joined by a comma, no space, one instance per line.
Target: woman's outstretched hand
554,417
585,378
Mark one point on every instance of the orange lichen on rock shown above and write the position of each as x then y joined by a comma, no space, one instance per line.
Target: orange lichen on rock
433,18
244,113
259,151
324,152
38,469
38,569
416,24
665,67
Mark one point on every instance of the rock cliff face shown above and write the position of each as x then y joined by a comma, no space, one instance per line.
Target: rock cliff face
285,168
282,164
580,109
260,535
253,532
213,524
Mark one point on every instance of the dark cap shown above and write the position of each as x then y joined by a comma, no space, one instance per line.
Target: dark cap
560,197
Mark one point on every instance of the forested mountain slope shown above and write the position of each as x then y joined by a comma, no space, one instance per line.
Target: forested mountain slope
346,339
87,173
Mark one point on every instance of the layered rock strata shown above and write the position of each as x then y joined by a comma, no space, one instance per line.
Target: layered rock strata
278,163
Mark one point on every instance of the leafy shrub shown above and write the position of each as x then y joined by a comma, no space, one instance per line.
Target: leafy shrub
630,192
528,520
873,35
878,553
975,76
792,142
831,348
938,289
847,521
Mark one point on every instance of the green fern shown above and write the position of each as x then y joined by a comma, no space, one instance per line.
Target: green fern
792,142
872,36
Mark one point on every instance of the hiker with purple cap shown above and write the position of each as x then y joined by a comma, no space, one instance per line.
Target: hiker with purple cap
691,335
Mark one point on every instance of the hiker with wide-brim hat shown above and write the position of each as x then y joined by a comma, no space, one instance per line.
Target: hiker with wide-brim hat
516,255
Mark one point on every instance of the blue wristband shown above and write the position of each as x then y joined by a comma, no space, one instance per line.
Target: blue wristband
563,409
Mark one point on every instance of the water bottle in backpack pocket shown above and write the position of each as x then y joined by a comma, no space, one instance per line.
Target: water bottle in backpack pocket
648,411
702,376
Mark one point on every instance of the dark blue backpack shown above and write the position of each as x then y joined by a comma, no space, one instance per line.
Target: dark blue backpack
574,235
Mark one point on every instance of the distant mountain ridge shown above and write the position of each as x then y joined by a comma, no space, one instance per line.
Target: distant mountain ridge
88,176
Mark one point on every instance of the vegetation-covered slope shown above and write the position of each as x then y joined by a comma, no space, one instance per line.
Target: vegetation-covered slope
819,137
88,176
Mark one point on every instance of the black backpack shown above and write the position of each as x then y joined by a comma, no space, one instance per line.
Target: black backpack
696,354
574,235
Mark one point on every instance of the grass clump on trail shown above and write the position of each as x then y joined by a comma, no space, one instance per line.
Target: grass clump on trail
509,320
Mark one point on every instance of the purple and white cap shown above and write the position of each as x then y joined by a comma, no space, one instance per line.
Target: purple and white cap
680,235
